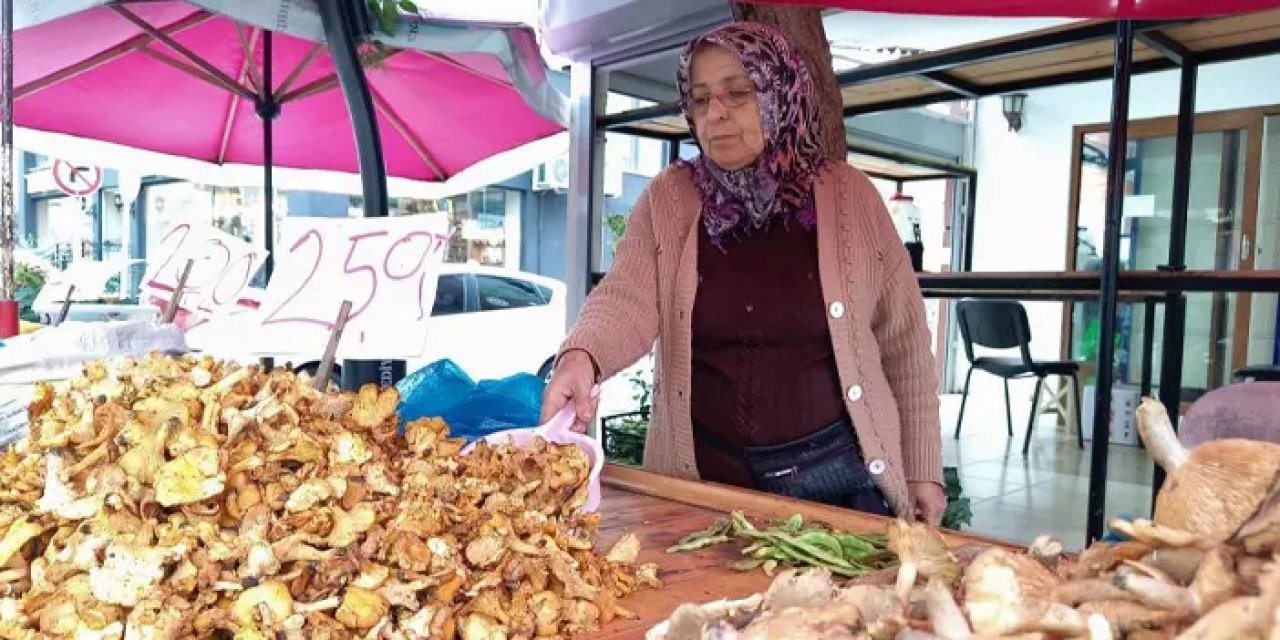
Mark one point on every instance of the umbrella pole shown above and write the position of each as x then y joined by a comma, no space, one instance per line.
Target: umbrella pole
8,297
268,109
344,22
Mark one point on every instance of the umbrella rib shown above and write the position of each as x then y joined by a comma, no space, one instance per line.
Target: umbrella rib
110,55
191,56
246,67
330,81
249,69
463,67
302,66
226,84
402,128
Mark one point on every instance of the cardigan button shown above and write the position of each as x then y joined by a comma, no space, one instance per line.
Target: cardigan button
837,310
877,467
854,394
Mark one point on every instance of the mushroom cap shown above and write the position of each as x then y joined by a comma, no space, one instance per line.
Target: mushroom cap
1218,488
1000,589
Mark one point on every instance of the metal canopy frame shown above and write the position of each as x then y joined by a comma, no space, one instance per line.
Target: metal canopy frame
937,68
1171,280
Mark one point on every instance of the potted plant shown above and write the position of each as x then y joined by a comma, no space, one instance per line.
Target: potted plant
623,434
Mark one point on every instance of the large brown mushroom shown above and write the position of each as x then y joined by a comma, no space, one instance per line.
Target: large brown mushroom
1212,489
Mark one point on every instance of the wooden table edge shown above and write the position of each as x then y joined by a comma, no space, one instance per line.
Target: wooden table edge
726,499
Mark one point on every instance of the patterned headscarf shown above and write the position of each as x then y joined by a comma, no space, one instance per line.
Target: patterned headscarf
780,183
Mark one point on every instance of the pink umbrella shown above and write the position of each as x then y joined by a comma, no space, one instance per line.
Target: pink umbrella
175,78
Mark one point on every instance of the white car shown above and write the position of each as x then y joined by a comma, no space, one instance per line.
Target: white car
492,322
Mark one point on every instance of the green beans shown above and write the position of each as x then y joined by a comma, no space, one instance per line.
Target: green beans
792,543
717,533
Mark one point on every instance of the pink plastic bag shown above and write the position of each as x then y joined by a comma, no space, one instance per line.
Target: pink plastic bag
559,430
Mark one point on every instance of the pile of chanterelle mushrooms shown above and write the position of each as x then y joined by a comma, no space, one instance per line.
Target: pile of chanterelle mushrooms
1204,569
186,498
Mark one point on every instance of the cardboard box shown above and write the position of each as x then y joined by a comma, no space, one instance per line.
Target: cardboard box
1124,401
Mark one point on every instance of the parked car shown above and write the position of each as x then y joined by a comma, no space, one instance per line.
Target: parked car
492,322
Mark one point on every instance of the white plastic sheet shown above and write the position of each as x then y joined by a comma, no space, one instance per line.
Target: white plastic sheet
59,353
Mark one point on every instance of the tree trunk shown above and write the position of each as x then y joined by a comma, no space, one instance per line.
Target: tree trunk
804,26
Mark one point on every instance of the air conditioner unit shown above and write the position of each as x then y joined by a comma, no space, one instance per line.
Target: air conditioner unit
552,175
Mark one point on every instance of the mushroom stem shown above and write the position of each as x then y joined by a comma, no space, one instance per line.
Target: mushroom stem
1230,620
1155,593
944,614
907,573
318,605
1099,628
1158,437
1077,592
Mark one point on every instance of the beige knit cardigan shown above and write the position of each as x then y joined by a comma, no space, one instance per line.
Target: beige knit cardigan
875,313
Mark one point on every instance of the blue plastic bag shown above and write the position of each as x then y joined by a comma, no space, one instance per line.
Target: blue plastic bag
472,410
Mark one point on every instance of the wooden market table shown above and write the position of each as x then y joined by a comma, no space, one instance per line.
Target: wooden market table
661,510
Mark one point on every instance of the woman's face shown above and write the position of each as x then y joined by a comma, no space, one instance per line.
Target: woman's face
726,115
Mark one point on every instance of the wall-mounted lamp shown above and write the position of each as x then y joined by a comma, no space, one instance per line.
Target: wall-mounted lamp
1013,105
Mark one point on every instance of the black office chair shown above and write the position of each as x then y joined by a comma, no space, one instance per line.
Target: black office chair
1002,324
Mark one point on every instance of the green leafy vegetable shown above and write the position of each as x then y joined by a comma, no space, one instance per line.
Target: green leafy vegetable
958,512
793,543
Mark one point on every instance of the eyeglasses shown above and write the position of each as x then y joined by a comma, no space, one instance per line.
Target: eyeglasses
735,96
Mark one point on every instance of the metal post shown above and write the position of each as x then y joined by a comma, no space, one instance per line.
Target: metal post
1117,150
1148,343
970,216
1175,308
7,213
345,23
588,90
673,151
268,109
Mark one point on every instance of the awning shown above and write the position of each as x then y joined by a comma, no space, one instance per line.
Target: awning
1110,9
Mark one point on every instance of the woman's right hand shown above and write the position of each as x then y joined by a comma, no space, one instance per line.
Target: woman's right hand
573,381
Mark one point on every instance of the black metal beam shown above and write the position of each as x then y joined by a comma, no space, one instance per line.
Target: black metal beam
948,82
1175,311
950,168
947,60
1128,281
1240,52
638,115
1117,144
1175,51
1057,80
649,133
970,219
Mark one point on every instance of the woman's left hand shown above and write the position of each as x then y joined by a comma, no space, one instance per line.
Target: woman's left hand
927,502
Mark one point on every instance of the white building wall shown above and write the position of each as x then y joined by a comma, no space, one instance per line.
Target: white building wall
1024,178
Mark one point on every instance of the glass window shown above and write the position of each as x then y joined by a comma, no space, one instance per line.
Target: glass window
507,293
451,296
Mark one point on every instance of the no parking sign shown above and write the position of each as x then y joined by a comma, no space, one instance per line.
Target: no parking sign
75,180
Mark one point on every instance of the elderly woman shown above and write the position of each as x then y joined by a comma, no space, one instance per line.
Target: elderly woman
793,355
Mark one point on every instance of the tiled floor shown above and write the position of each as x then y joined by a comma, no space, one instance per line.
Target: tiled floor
1016,498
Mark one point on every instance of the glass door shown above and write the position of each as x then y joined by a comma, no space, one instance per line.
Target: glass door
1217,219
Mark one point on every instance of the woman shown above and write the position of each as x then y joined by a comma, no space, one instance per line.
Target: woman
793,355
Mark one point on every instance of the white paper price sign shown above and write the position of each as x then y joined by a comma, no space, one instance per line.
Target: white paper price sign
386,267
222,266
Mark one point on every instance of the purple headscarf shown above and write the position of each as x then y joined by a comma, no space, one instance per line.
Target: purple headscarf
780,183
